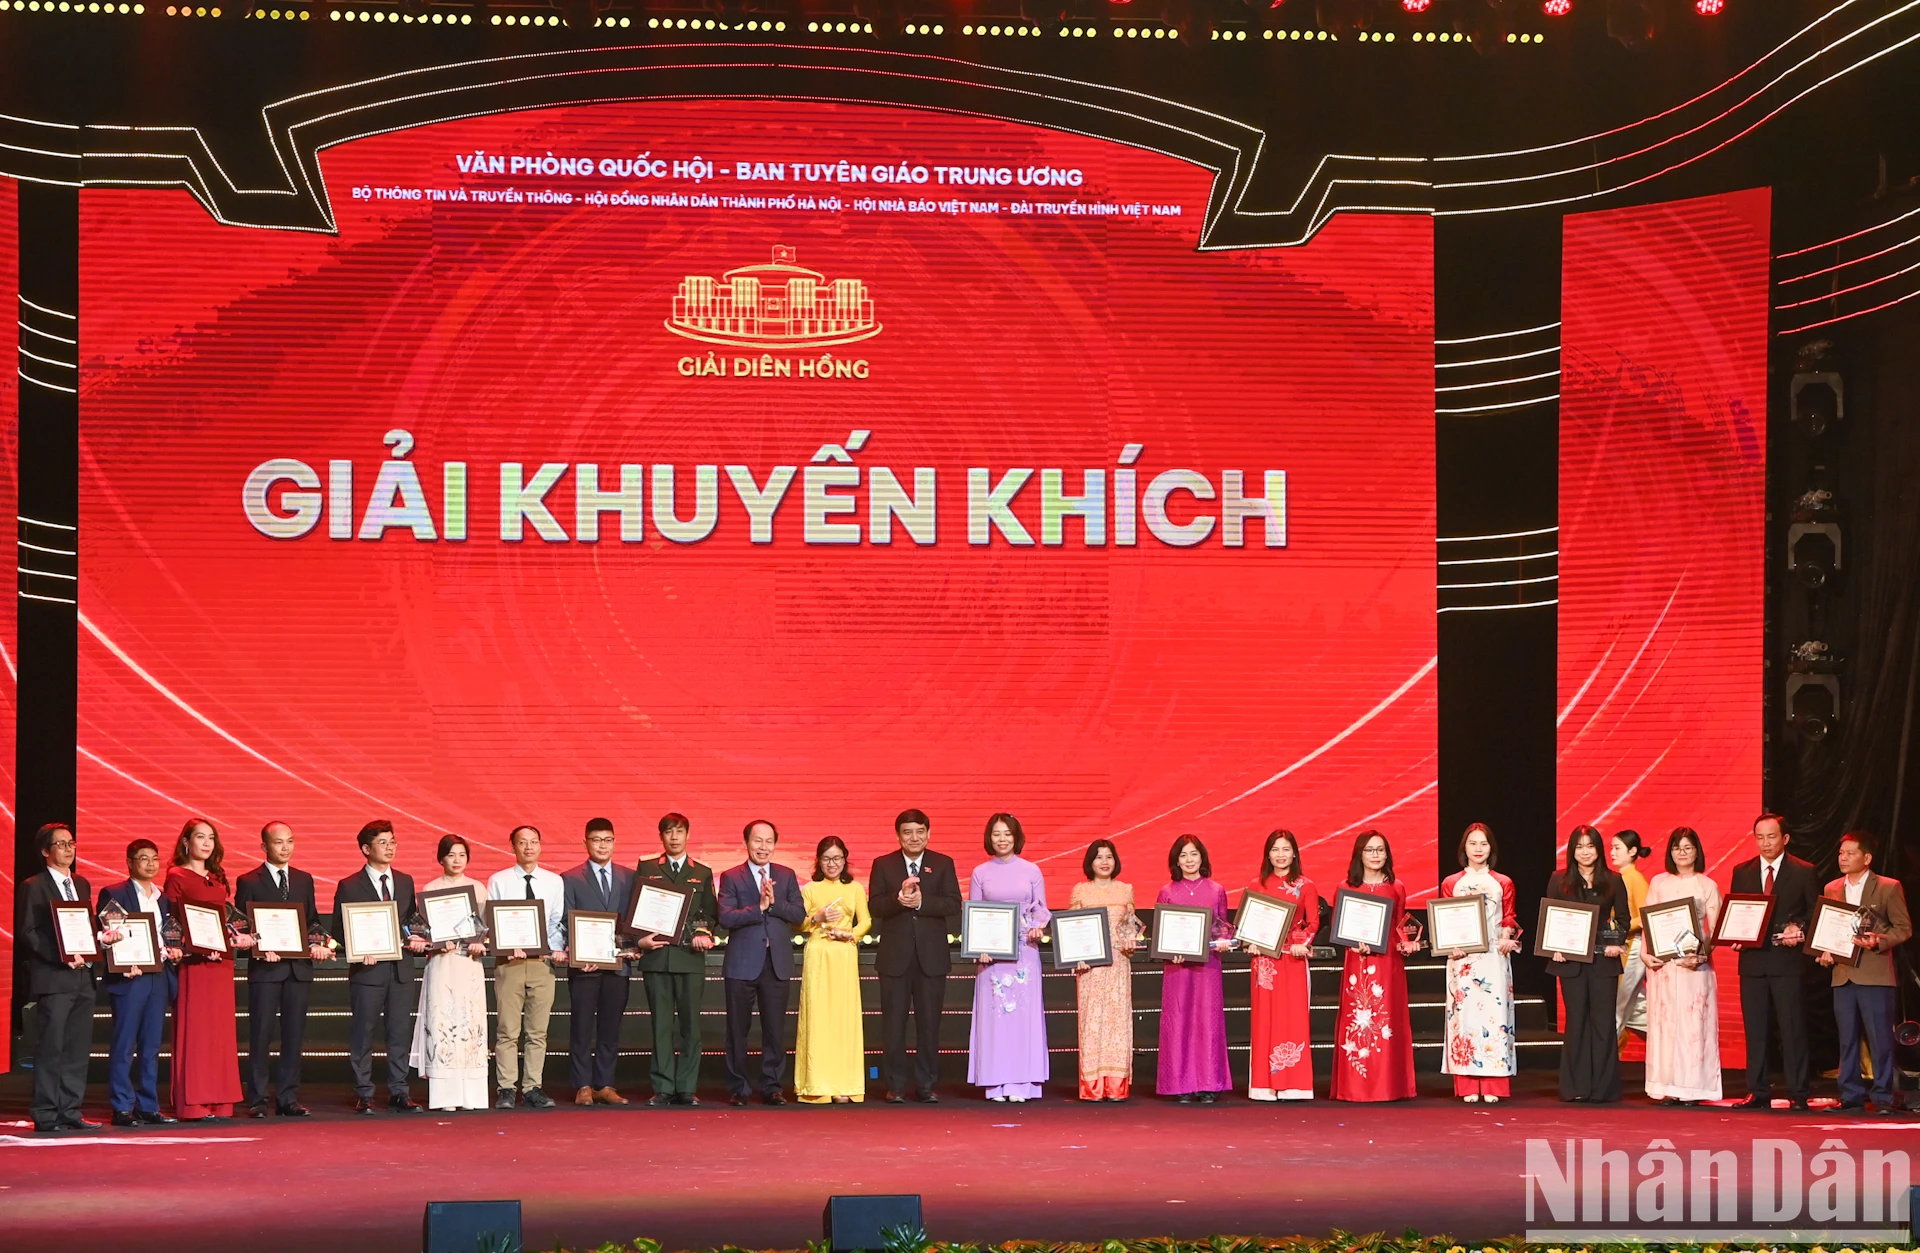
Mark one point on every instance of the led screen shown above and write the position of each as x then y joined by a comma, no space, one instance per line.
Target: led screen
1662,482
9,611
796,460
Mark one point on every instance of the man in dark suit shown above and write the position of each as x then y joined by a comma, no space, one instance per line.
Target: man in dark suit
597,994
675,973
915,897
759,907
139,997
379,987
62,991
277,987
1773,973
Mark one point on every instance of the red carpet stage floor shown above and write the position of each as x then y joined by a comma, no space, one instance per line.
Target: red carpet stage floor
1053,1169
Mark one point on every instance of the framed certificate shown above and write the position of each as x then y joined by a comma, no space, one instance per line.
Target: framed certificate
1080,937
658,909
1743,919
1835,929
138,947
74,933
371,929
1671,929
451,914
1264,922
1183,931
1361,918
1458,924
593,939
205,928
1567,928
518,925
278,927
990,929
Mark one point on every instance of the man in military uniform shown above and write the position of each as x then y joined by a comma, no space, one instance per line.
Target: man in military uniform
674,973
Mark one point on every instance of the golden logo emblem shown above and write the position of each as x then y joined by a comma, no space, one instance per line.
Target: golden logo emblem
780,304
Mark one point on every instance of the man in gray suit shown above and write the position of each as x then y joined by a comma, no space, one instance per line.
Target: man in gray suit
597,994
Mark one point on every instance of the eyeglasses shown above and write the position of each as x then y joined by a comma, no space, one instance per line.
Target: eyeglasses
63,845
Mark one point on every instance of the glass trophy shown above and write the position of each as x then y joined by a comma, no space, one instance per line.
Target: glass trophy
317,936
238,924
171,935
1687,944
1411,929
112,918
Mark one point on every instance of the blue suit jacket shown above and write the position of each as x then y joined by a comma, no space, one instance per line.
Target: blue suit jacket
123,895
583,893
753,935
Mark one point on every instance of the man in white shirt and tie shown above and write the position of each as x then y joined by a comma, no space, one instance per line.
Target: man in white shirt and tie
380,987
523,983
277,987
61,989
596,995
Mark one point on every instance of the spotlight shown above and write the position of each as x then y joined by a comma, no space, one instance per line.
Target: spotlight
1556,8
1817,396
1813,539
1709,8
1813,690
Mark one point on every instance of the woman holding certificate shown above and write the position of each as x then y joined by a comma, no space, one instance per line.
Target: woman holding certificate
1193,1013
206,1052
1282,1052
1479,1041
1683,1013
1007,1051
1106,992
1589,1047
450,1030
829,1055
1373,1036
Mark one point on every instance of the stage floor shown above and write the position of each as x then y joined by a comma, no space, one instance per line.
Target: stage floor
1055,1169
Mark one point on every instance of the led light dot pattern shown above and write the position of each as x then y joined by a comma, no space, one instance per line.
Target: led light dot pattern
683,23
1228,36
49,6
1309,35
835,28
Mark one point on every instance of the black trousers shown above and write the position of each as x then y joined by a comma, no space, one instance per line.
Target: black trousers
926,995
1781,997
769,992
268,1002
394,999
673,1005
598,1001
1589,1047
60,1059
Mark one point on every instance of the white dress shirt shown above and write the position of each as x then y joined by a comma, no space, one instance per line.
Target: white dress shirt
63,887
1856,891
148,896
511,885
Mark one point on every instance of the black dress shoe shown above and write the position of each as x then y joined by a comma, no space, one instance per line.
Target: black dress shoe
929,1098
1755,1102
738,1100
363,1105
1185,1098
660,1101
1799,1105
536,1099
295,1111
894,1098
154,1118
503,1099
687,1099
80,1124
1208,1098
257,1111
773,1098
125,1118
1851,1107
402,1105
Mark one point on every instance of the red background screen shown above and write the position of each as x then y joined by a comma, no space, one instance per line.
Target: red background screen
471,684
1662,510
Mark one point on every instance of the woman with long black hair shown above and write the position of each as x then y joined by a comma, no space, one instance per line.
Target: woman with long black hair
1589,1048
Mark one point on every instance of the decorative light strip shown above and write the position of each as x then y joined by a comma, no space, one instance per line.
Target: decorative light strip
70,6
929,28
1865,230
838,28
1516,356
1136,30
1320,36
754,25
1527,378
1440,37
186,10
1480,339
1524,604
1511,404
1474,539
1066,32
610,22
1459,587
1488,561
289,15
1227,36
503,19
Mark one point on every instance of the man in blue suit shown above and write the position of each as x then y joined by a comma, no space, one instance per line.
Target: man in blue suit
759,908
597,994
139,1000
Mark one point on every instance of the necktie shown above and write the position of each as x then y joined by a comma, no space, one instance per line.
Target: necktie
606,887
66,888
529,879
676,866
280,882
913,870
1766,886
386,893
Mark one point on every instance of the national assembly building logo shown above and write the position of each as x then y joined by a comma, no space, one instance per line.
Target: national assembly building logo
774,305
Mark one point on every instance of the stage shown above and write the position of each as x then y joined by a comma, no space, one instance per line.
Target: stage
1056,1169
